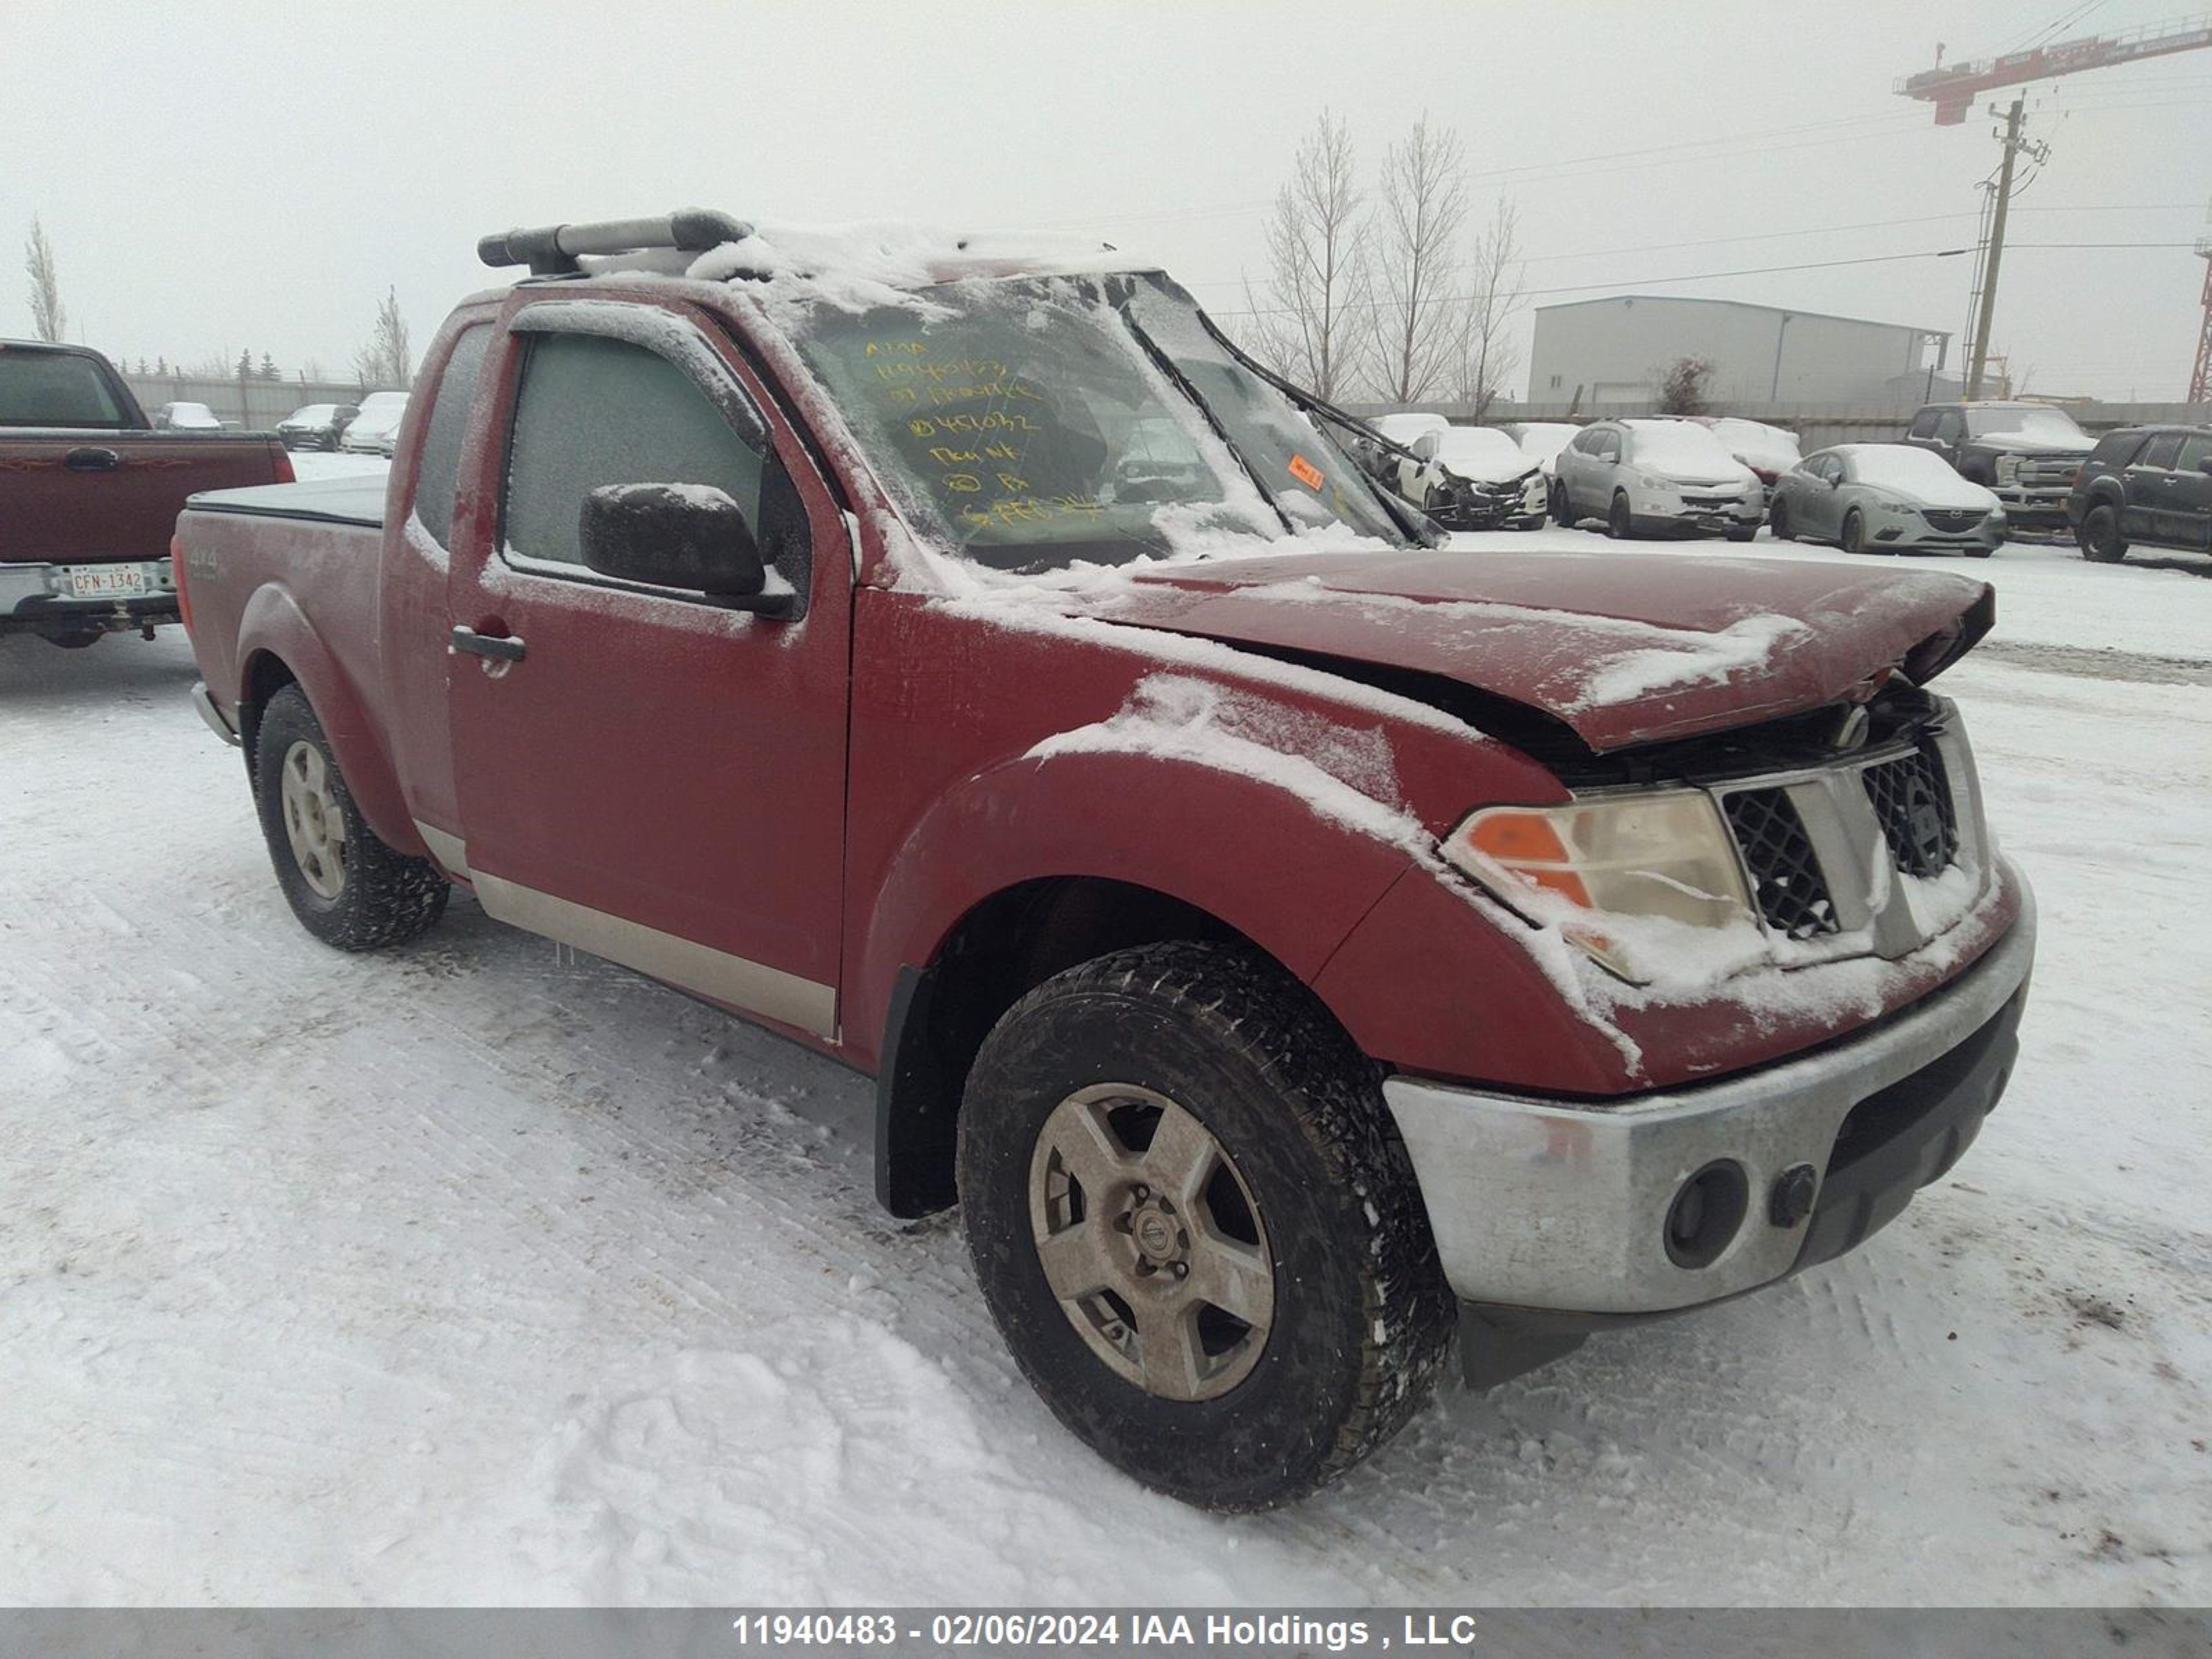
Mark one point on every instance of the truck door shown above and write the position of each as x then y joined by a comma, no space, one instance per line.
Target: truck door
2147,485
643,772
2185,502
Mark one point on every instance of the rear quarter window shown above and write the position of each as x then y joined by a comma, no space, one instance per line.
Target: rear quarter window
2117,448
439,470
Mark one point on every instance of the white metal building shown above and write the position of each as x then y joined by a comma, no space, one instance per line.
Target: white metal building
1616,349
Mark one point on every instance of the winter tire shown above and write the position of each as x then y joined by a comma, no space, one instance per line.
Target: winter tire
1563,514
1195,1226
347,888
77,641
1749,535
2100,535
1619,522
1532,521
1854,537
1777,521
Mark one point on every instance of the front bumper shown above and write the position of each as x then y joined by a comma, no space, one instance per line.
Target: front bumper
1544,1205
2033,509
1669,510
39,599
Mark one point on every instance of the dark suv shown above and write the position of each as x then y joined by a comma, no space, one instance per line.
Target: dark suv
2144,484
2027,452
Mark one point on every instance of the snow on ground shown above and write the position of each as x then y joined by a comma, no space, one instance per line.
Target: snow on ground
482,1272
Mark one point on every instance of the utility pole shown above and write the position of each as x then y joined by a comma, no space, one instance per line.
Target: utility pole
1979,360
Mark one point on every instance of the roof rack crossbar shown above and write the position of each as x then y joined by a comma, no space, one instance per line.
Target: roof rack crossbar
552,250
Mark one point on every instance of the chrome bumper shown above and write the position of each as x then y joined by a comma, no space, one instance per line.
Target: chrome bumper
1538,1204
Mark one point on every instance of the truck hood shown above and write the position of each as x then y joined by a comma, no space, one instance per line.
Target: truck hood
1622,648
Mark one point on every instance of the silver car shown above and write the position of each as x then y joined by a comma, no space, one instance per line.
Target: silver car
1874,498
1651,477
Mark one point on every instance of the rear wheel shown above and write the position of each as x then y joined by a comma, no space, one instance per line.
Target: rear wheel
347,887
1195,1228
2100,535
1619,522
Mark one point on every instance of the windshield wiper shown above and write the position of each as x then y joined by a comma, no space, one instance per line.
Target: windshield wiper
1168,366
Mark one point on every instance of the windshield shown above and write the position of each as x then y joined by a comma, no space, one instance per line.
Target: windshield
55,388
1032,423
1900,466
2050,425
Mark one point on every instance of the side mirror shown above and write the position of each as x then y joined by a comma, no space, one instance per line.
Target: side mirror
2205,465
685,535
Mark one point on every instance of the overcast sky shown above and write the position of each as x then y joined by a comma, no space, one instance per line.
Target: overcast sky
219,175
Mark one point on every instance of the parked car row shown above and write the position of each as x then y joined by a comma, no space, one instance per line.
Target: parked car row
1964,478
315,426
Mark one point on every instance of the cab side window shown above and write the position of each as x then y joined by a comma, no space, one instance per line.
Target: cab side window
594,411
1950,426
2195,450
2160,453
1923,424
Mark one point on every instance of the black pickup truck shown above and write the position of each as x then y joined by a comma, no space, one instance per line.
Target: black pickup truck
2027,452
89,495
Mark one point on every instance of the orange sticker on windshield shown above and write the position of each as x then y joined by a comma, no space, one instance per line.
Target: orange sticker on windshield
1305,473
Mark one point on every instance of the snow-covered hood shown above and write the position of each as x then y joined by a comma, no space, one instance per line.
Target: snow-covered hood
1958,494
1623,648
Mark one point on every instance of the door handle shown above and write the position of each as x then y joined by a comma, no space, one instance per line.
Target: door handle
92,459
503,648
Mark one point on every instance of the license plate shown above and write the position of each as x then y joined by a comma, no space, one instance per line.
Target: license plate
107,581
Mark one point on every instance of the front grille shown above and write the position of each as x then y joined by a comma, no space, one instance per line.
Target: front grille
2048,473
1950,520
1912,802
1786,883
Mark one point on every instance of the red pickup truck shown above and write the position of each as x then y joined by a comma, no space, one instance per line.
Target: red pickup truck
89,493
1289,941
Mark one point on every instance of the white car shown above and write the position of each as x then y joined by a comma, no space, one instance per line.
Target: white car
375,430
186,418
1542,441
1472,478
1656,477
1768,451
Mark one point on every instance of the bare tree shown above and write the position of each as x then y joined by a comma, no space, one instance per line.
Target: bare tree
1497,289
387,361
48,316
1682,387
1422,208
1313,327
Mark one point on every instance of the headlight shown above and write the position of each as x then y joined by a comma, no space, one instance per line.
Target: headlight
1661,854
2008,468
1649,482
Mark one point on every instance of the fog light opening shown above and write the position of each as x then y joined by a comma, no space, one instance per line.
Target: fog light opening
1706,1214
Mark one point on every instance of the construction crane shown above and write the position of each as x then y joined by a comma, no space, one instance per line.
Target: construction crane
1953,89
2200,376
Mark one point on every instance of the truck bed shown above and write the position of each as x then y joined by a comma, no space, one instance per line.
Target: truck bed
357,500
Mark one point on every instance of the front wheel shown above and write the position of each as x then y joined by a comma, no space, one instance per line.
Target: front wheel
1619,522
1195,1228
1777,520
1532,521
2100,535
347,887
1854,537
1563,513
1741,535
